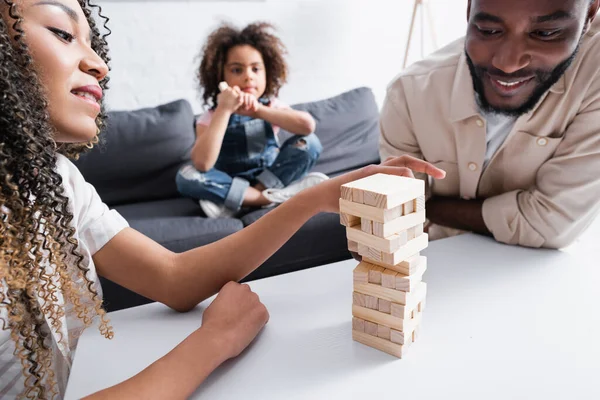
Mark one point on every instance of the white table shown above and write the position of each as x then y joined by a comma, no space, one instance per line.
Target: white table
501,322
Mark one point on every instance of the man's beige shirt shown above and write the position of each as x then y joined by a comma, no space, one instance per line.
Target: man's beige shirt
542,186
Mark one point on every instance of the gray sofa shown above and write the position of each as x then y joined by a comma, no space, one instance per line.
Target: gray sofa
134,167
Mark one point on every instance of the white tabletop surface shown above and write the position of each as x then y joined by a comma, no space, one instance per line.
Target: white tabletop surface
501,322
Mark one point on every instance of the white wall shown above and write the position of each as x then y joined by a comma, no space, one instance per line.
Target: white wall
333,45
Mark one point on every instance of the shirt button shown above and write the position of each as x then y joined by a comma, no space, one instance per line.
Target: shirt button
479,123
542,141
473,166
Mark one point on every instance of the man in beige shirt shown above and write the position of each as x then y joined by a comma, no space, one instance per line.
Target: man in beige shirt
512,113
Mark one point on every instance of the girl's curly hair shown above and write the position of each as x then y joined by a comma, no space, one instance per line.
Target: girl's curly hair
214,56
39,255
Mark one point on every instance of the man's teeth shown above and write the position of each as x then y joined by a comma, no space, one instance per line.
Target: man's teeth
509,84
86,95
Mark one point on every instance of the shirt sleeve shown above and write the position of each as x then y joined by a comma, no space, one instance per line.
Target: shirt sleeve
566,197
96,224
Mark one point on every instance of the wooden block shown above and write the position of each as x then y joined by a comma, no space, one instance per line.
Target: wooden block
397,225
385,306
357,196
412,247
349,220
372,302
380,318
366,226
388,191
346,193
375,274
377,343
408,207
420,203
407,283
390,244
353,246
405,311
405,337
407,267
370,253
370,328
388,278
361,273
410,299
415,333
383,332
369,212
358,324
359,299
415,231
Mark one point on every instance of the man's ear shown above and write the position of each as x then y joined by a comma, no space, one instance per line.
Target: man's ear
592,12
469,10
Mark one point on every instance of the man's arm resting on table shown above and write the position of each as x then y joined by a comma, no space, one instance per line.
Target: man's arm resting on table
457,213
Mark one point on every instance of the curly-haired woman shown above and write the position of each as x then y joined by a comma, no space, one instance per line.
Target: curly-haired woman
237,160
56,235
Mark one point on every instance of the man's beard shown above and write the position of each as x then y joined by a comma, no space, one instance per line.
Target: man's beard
544,79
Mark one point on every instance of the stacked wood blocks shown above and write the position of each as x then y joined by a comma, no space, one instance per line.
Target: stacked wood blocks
384,217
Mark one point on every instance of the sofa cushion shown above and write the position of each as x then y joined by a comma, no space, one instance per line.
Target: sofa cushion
348,127
140,153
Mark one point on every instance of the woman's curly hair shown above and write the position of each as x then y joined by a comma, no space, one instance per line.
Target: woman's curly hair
214,56
39,255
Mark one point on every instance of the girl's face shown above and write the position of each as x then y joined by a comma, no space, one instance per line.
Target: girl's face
245,68
59,40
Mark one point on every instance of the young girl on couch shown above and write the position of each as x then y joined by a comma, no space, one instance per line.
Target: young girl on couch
237,160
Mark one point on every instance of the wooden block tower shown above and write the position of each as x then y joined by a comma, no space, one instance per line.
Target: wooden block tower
384,217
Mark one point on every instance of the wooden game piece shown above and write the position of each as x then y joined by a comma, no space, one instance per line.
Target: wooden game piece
406,267
403,338
372,213
366,225
375,274
349,220
369,253
408,207
407,283
383,332
415,231
358,324
388,278
352,246
359,299
370,328
383,319
400,224
386,346
372,302
390,244
405,311
223,86
385,306
358,196
420,203
410,299
346,193
361,273
413,246
388,191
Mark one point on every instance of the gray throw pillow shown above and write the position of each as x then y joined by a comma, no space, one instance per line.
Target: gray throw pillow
348,127
140,153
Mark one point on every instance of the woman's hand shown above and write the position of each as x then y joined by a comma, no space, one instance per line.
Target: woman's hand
327,194
234,318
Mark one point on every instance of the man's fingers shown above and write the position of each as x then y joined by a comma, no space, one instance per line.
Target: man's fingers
416,165
391,170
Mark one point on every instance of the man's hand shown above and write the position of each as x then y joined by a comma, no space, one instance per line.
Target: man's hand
327,194
234,318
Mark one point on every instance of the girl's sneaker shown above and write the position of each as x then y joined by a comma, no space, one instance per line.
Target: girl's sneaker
212,210
280,195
